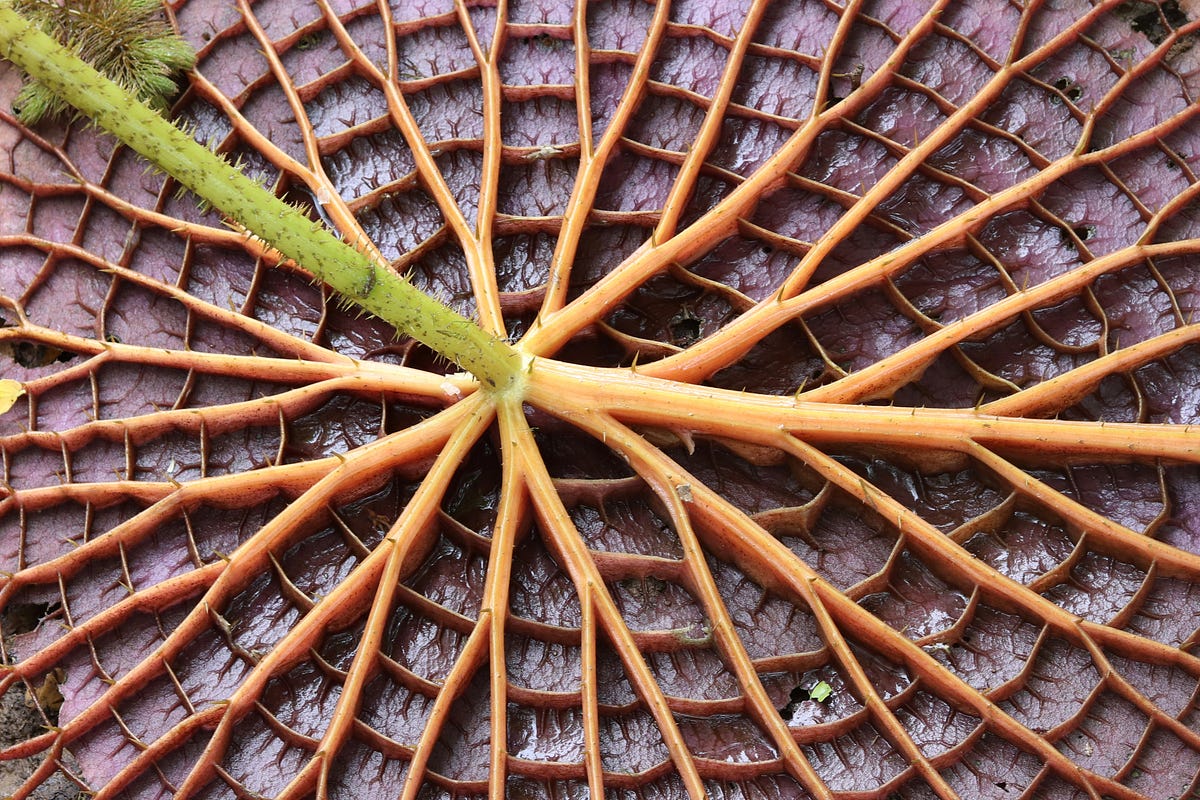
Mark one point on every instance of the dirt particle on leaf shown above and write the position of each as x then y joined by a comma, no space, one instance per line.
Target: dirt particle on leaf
20,716
20,719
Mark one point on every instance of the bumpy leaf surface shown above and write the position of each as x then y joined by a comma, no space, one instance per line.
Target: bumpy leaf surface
858,458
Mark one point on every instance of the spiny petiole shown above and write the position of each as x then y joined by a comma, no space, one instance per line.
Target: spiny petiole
373,286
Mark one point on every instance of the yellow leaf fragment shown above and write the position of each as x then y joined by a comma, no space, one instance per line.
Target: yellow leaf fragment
10,392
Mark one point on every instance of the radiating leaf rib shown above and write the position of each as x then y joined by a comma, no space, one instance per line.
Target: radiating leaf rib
48,767
730,342
713,226
155,598
254,554
1135,71
1169,209
345,372
931,544
631,397
765,558
847,17
210,421
1019,496
725,346
1113,538
259,212
132,211
473,656
889,510
174,500
710,130
402,118
159,749
879,712
377,576
281,369
1062,391
1126,690
483,276
483,279
99,493
583,572
271,337
800,277
583,82
882,378
345,602
729,645
509,518
592,161
589,694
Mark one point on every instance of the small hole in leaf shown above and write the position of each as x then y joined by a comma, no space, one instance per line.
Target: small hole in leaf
1085,232
1152,20
32,355
547,41
797,695
1070,88
308,41
25,617
819,692
685,328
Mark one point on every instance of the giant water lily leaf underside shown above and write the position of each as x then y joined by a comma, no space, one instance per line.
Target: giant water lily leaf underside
857,459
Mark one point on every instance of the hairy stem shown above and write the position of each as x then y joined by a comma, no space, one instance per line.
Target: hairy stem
371,285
